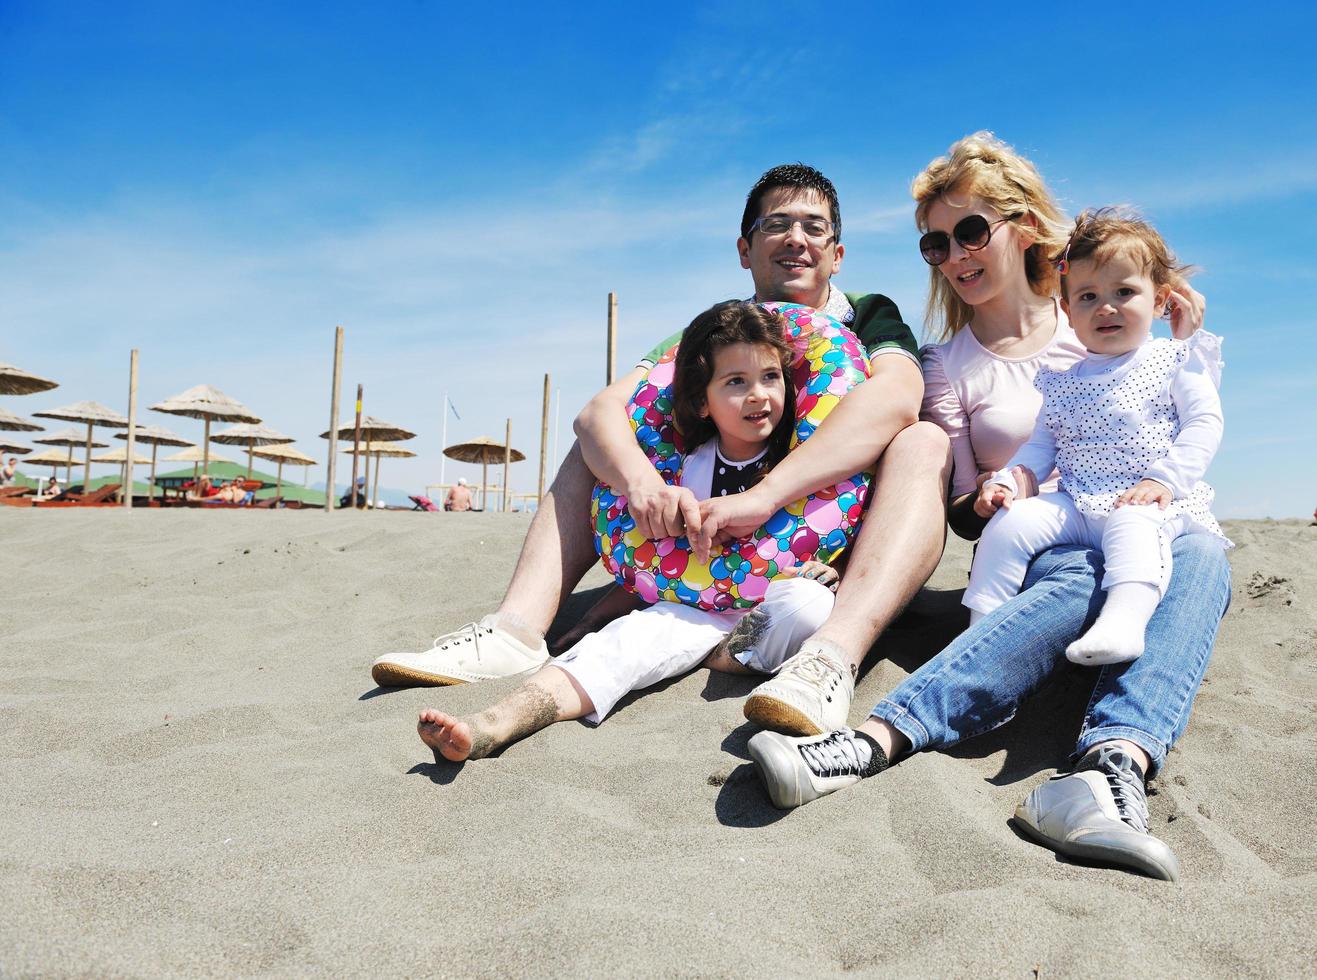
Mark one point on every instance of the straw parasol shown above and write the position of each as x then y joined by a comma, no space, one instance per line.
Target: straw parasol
208,403
119,454
93,414
16,381
379,450
250,436
484,451
157,437
196,455
283,454
9,447
47,457
9,422
372,430
69,438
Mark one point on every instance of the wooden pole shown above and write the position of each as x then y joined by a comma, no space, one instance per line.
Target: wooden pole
150,487
356,454
507,462
251,444
484,481
375,484
279,480
127,492
612,337
333,418
86,480
205,451
544,441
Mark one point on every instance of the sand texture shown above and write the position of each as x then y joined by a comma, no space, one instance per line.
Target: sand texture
200,779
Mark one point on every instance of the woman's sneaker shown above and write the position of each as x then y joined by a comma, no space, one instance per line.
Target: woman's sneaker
475,652
810,695
1099,812
798,770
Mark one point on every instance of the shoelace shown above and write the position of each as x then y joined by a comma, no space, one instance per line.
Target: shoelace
837,755
467,634
1126,788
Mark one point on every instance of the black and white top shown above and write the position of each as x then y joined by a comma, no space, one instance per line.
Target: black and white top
707,473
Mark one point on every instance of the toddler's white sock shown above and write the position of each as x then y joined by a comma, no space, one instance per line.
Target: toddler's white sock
1117,636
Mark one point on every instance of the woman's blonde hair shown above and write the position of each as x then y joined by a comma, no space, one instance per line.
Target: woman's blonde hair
988,168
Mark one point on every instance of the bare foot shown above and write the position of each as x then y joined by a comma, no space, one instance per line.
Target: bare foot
449,737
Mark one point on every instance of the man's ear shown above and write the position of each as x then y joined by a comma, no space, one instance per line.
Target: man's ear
743,250
836,261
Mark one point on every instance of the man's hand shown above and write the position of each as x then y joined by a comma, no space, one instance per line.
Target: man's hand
1186,309
661,511
992,497
819,572
1146,492
725,518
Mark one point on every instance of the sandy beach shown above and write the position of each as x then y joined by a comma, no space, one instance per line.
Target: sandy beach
201,779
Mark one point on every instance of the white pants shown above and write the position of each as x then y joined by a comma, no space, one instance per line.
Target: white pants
668,639
1135,542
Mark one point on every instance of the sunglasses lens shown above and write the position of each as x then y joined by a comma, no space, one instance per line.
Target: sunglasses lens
973,232
934,247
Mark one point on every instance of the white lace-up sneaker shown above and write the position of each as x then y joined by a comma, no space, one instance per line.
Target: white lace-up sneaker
810,695
475,652
1099,812
798,770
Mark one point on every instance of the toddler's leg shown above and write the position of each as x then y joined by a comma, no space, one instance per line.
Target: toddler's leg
1136,548
548,696
1009,543
792,611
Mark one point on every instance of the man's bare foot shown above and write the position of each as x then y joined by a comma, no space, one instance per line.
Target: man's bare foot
449,737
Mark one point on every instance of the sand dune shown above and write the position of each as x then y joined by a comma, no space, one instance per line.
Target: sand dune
200,779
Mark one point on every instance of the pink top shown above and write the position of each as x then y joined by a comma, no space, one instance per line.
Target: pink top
988,404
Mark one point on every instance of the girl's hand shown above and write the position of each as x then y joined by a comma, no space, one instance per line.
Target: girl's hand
1146,492
816,570
992,497
1186,309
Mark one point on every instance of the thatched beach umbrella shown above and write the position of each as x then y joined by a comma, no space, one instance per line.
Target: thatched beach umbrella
9,447
119,454
208,403
372,430
283,454
484,451
47,457
9,422
157,437
379,450
16,381
250,436
196,455
92,413
69,438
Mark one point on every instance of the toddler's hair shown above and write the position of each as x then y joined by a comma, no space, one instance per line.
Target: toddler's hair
732,322
983,166
1102,233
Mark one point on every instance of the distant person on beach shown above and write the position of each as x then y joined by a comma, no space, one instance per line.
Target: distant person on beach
790,241
459,496
53,488
8,472
992,235
731,396
356,496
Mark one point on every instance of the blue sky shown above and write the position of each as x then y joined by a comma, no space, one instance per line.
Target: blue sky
460,186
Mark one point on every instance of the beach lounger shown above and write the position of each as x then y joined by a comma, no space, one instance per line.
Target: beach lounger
424,503
101,497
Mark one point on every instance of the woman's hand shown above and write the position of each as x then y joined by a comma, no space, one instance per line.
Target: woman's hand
816,570
1186,309
1146,492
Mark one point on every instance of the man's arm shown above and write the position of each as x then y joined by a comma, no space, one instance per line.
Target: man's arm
850,439
613,456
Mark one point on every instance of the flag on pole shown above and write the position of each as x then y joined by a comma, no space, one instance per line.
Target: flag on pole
453,408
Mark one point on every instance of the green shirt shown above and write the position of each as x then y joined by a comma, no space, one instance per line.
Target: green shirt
877,323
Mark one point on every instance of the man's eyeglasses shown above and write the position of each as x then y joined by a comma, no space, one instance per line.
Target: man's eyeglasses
972,233
774,225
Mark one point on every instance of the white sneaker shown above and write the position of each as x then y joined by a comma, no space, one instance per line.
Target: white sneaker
810,695
797,770
475,652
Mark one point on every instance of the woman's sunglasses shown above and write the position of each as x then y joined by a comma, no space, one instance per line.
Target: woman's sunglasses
973,233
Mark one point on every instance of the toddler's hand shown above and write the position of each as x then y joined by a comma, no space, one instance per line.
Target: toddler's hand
992,497
1146,492
816,570
1185,309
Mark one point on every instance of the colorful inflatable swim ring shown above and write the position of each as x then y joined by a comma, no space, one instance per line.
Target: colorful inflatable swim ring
830,361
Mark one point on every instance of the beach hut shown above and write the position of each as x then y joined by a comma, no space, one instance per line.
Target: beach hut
250,436
91,414
484,451
156,437
281,455
16,381
68,438
210,404
372,430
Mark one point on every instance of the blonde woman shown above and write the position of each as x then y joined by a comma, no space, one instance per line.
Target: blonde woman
990,233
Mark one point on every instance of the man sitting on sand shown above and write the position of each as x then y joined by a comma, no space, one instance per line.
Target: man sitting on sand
459,496
790,242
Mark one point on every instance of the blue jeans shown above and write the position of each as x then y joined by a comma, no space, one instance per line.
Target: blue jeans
977,683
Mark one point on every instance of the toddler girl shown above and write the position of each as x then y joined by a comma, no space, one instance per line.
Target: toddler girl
735,411
1131,428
